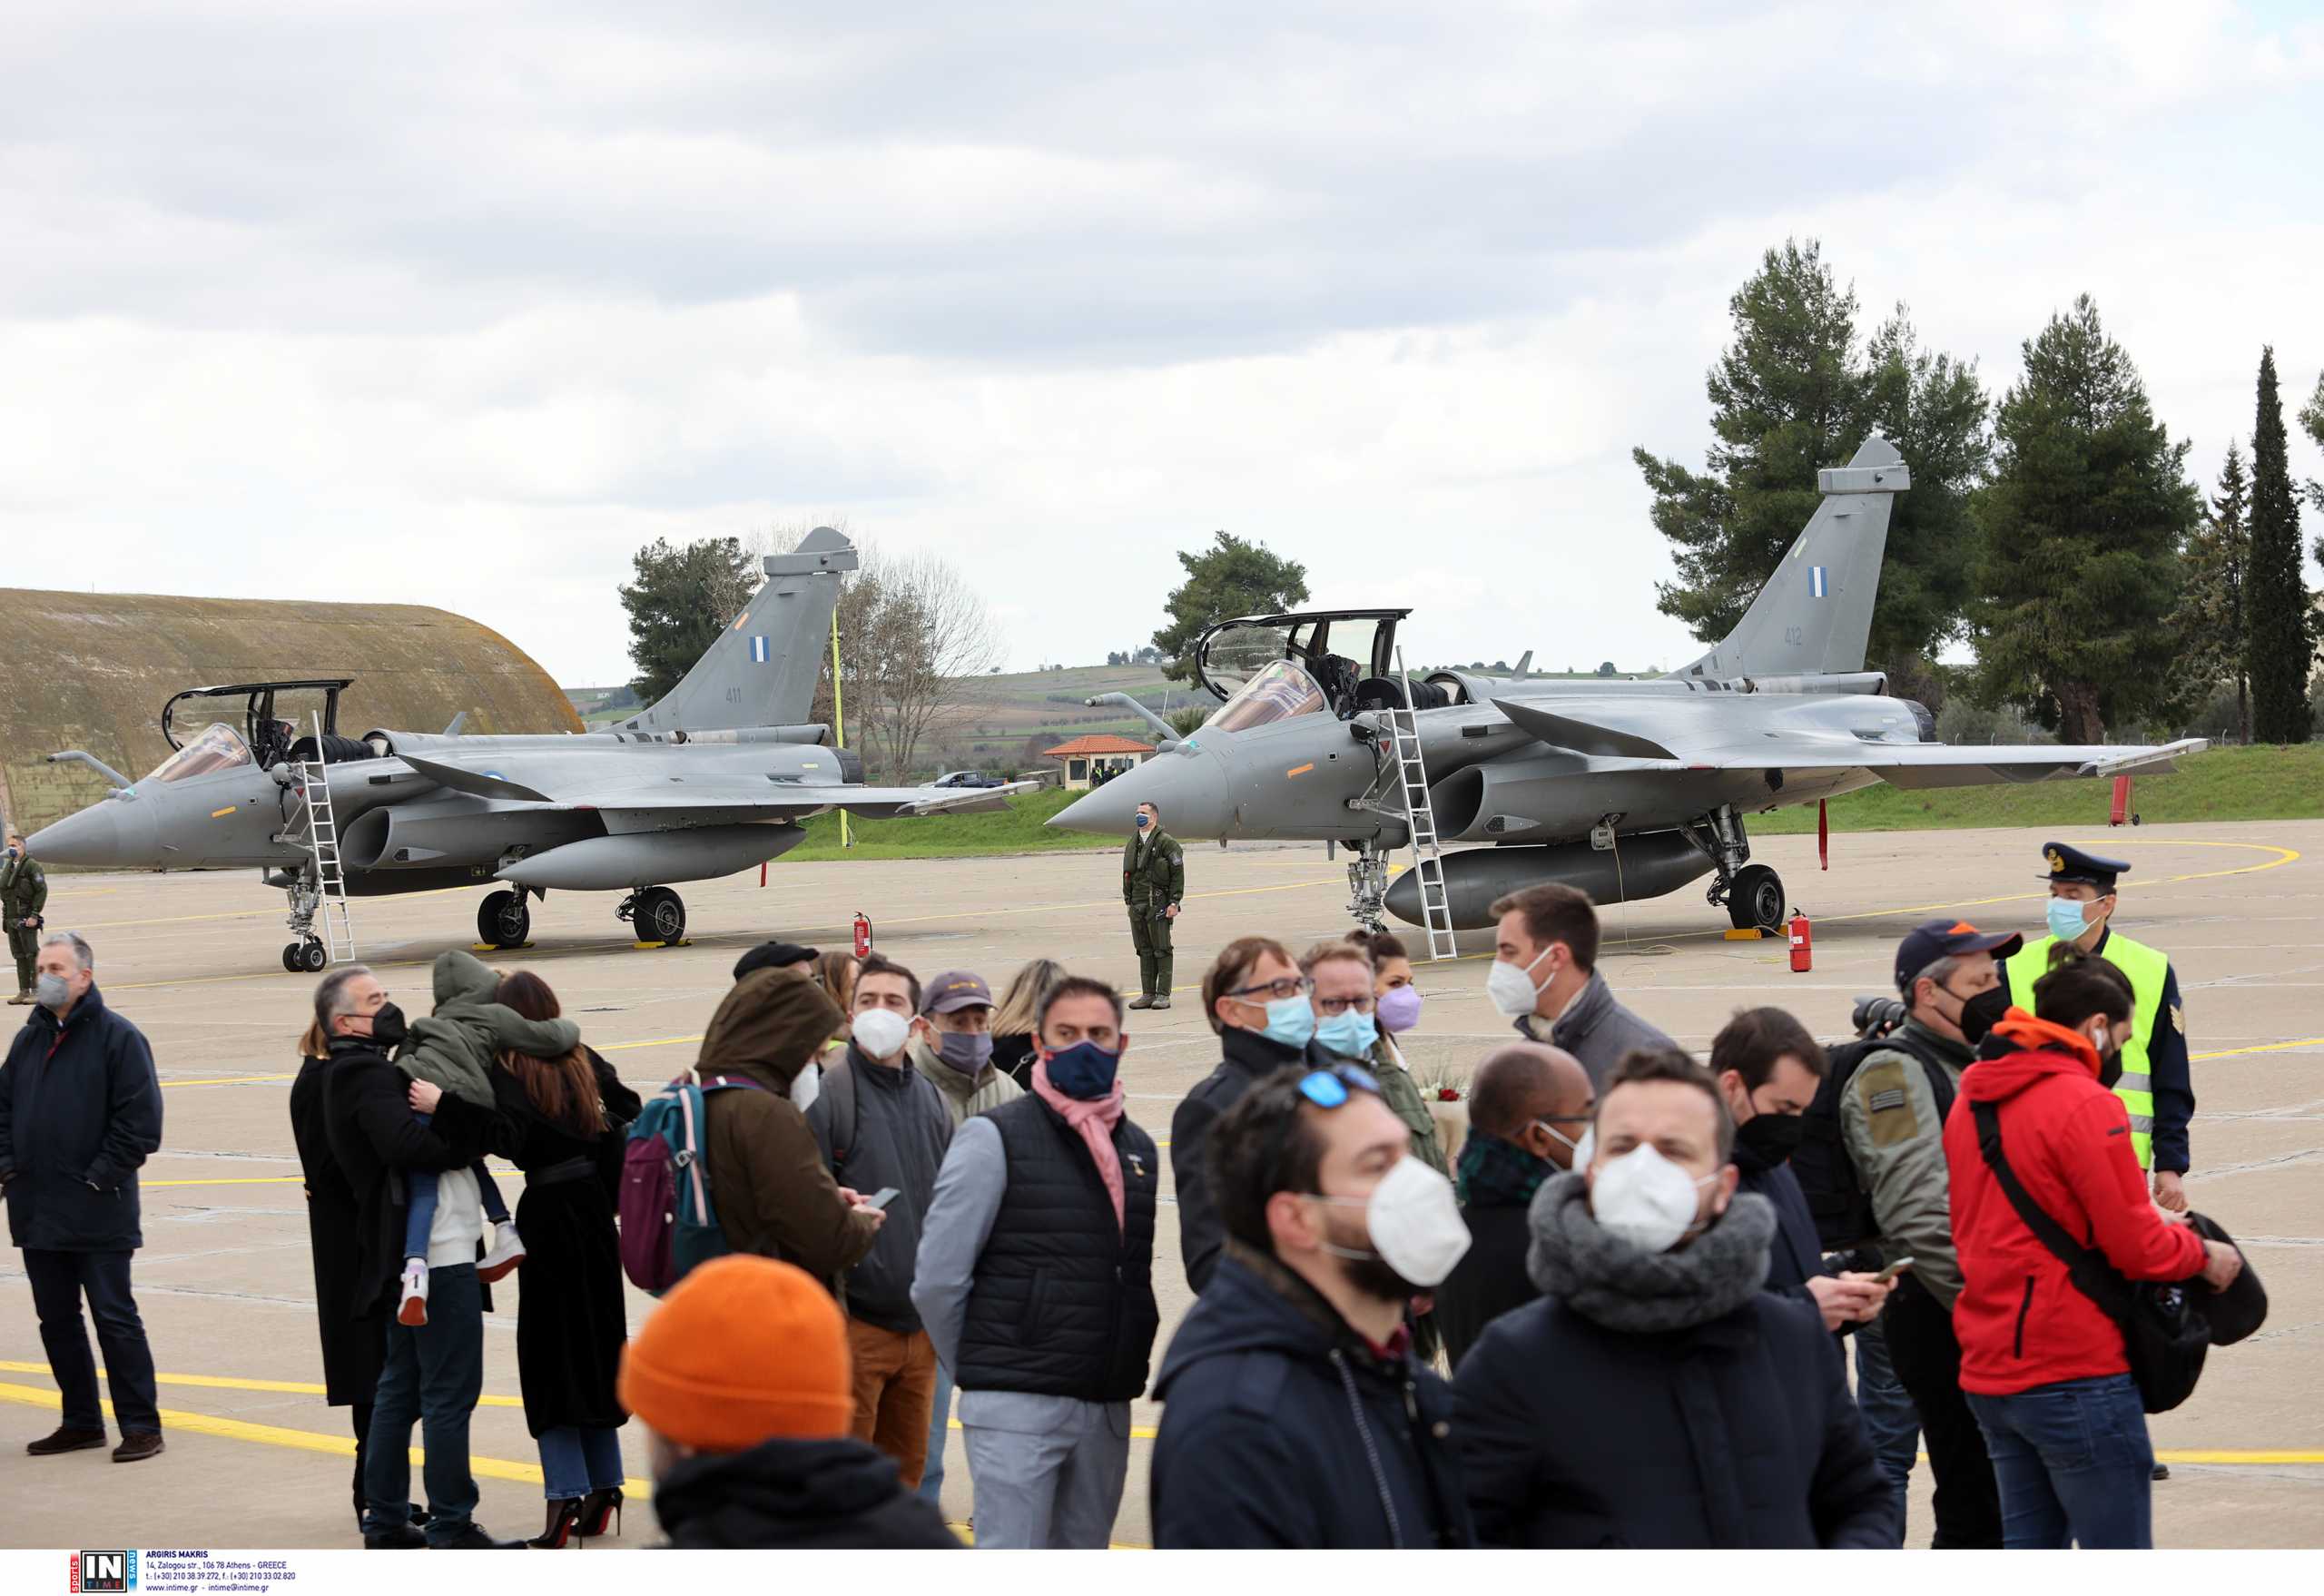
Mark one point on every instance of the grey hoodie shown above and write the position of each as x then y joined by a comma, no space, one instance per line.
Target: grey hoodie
454,1047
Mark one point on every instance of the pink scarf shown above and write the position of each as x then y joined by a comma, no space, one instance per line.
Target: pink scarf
1094,1118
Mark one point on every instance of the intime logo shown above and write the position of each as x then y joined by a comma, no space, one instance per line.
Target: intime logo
104,1574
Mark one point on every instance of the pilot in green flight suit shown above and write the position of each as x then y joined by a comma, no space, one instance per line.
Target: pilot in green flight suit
1154,882
24,893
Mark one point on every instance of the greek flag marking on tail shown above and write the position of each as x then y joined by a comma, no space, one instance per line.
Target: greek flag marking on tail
759,651
1816,585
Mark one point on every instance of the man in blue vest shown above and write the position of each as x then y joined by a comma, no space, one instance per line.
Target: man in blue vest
1035,1282
2156,1086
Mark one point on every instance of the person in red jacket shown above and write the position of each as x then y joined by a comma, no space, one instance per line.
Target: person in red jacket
2042,1366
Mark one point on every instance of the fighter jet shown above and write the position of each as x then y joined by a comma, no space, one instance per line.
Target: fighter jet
1628,790
711,779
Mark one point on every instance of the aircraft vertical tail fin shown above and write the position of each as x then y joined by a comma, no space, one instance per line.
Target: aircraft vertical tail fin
763,668
1815,613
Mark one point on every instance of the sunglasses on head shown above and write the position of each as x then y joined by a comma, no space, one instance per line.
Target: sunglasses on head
1328,1087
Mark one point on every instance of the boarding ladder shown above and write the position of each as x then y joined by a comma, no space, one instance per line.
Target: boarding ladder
313,822
1420,820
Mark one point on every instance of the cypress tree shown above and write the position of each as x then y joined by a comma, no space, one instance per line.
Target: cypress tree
2081,524
2282,638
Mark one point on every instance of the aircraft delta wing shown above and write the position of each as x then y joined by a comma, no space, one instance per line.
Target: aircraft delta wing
1628,790
714,778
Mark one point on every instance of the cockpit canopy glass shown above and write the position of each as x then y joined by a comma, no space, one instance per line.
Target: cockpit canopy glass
1278,692
1235,654
219,747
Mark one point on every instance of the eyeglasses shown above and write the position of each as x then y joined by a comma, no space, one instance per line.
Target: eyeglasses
1290,986
1362,1005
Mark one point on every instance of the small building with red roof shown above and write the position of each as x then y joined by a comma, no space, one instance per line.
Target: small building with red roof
1093,761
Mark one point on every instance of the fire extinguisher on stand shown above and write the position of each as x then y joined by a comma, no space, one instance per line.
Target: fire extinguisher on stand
863,936
1803,943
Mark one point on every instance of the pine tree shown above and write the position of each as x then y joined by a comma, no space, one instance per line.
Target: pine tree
2213,625
2283,637
1791,394
2081,529
1234,577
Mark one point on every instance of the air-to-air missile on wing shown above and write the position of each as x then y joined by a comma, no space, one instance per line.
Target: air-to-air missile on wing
1626,789
711,779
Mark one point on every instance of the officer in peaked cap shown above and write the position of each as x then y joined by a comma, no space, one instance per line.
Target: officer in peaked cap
2156,1086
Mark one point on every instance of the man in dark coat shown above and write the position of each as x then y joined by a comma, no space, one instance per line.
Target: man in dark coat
433,1371
80,1109
1256,1001
1768,1069
1529,1108
1657,1395
350,1345
1295,1414
741,1379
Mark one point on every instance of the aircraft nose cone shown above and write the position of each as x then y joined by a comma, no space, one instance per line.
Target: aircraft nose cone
1189,789
112,831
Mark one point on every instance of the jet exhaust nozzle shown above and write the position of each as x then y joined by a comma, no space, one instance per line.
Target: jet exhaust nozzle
1650,864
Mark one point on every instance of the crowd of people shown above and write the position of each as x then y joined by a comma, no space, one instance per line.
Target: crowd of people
1611,1305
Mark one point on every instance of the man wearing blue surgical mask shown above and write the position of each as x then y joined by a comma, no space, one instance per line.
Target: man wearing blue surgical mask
1258,1002
1544,977
1035,1278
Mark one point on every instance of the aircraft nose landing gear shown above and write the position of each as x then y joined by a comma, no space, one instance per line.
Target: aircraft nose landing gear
658,914
305,958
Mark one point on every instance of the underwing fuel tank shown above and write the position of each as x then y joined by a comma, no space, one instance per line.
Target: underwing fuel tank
1649,865
654,859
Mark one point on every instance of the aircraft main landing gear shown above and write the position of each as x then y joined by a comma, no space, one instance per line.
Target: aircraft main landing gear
658,914
1752,894
503,920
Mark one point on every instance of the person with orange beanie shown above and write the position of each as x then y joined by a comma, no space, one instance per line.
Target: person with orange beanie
741,1380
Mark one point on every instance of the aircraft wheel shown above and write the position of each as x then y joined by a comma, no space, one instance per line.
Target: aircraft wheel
312,957
661,917
290,957
1755,900
502,919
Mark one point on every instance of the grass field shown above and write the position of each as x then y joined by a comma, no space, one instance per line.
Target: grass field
2228,784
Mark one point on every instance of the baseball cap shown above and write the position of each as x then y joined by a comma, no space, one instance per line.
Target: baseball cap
956,989
1932,940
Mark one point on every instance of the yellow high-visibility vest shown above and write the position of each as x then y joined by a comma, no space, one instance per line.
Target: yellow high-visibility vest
2148,970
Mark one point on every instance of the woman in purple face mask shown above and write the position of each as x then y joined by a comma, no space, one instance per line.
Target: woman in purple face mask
1396,1009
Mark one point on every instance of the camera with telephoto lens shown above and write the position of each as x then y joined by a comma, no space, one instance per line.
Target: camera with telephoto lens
1876,1016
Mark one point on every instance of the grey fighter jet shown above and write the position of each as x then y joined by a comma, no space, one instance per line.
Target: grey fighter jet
1628,790
715,778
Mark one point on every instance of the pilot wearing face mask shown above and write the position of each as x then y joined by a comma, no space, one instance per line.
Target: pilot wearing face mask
1658,1395
2157,1086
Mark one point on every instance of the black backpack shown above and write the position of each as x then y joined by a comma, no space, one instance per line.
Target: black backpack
1836,1195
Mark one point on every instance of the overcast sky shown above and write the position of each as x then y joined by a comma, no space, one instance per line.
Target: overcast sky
337,299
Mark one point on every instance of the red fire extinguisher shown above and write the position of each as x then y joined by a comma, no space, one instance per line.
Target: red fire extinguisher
1803,943
862,937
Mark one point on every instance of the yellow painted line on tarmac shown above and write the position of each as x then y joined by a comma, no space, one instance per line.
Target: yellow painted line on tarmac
230,1382
192,1423
2313,1041
248,1180
231,1079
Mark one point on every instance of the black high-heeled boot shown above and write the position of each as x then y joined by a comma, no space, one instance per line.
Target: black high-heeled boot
564,1517
599,1509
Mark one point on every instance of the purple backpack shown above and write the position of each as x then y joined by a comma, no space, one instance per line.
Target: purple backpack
668,1224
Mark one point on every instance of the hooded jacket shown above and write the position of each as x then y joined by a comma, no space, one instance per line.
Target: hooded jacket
2021,1320
80,1110
1281,1427
1595,1029
831,1495
454,1048
773,1193
1663,1399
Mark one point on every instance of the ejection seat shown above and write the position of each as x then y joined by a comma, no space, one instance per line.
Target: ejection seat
1377,693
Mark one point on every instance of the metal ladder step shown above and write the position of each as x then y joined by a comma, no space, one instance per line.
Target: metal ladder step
320,826
1420,818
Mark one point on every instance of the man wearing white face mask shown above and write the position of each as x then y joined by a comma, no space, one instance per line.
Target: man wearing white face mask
1545,978
1655,1395
881,1123
1295,1414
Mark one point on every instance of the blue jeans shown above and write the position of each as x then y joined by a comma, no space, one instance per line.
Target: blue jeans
575,1461
419,1188
2073,1464
434,1373
1890,1421
939,1426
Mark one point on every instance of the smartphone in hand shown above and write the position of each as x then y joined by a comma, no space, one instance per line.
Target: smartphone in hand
1892,1271
883,1197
